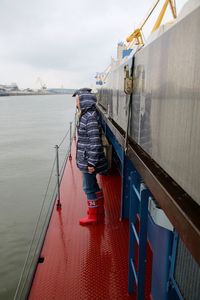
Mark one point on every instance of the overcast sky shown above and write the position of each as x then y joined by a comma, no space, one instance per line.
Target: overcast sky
64,42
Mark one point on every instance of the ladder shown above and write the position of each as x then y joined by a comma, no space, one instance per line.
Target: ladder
139,196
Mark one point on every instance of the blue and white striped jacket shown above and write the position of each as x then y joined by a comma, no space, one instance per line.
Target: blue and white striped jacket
89,145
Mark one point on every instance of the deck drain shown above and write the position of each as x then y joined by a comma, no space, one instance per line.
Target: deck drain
41,260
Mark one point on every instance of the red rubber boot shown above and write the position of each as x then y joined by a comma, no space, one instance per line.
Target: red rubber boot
92,217
100,199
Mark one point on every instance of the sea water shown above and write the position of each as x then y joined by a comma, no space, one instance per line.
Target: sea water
30,127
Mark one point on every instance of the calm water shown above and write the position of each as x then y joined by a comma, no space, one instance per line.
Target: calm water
30,127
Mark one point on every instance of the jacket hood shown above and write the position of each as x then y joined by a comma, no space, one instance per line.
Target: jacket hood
87,100
77,92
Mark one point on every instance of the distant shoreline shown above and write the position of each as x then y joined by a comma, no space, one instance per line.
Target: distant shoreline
40,92
33,94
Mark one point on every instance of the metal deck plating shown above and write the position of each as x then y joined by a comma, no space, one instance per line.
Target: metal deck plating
84,262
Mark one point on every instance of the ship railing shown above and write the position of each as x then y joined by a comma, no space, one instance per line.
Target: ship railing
52,194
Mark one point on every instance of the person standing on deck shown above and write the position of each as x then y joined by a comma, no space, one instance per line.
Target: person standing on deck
90,156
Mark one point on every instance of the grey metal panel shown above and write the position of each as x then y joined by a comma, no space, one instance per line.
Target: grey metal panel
187,273
166,102
172,82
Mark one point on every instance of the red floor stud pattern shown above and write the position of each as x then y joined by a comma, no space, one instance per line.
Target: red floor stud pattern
84,262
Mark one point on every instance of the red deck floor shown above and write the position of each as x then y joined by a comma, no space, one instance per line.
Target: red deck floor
84,262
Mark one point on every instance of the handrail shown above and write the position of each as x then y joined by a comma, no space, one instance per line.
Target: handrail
33,254
34,235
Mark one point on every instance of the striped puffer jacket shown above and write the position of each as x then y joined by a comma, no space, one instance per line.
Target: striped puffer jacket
89,145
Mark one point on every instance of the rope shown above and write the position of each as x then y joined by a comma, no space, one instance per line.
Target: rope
129,111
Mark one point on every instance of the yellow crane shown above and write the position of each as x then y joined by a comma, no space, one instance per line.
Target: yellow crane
137,37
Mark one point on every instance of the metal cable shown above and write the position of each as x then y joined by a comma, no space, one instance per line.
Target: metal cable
64,138
74,121
39,239
64,163
38,220
43,228
34,234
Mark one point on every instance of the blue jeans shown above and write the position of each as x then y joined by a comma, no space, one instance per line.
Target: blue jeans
90,185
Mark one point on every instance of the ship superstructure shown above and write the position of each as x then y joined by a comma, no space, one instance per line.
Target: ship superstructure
151,104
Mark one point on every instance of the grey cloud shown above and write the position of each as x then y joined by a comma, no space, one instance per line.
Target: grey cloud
64,35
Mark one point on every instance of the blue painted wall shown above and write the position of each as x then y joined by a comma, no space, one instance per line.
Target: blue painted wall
160,239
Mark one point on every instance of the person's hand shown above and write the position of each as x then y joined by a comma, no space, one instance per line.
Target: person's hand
91,170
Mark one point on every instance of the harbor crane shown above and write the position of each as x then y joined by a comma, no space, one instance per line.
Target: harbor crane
42,84
101,76
137,36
